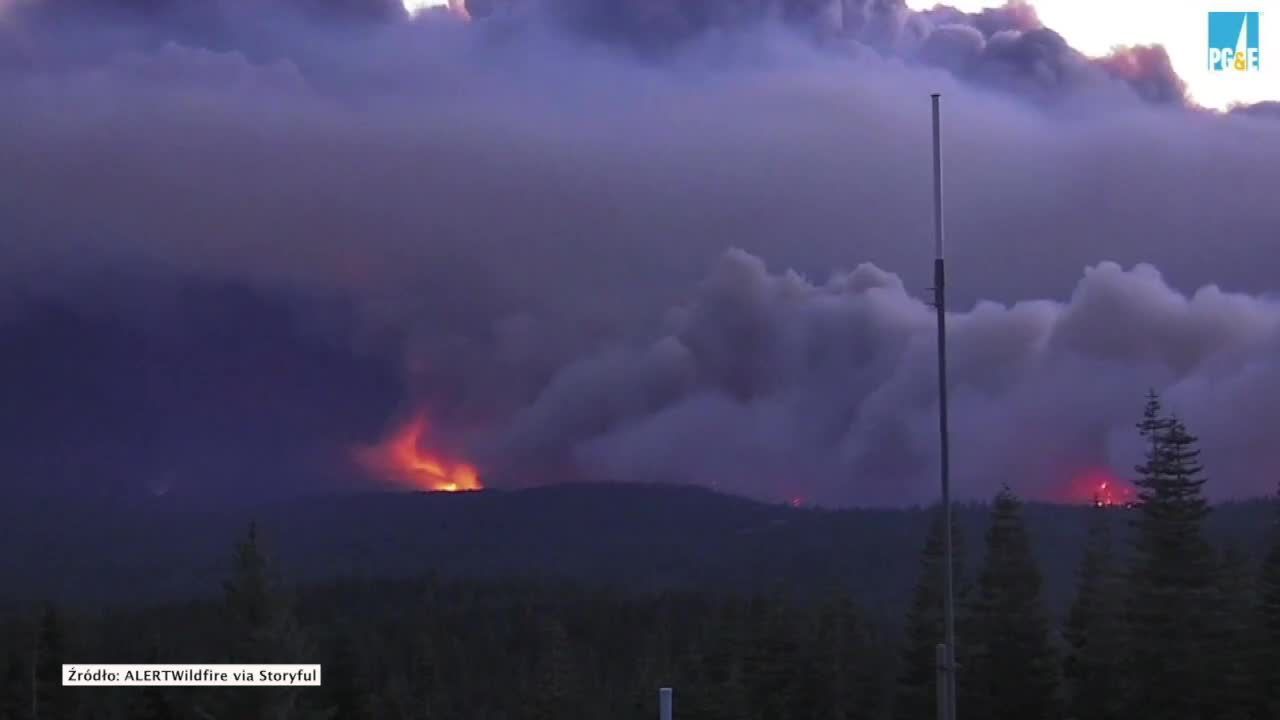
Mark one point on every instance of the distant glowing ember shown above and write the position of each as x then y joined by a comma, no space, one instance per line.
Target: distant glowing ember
402,458
1101,488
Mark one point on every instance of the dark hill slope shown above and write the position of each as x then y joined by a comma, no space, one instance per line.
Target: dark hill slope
624,536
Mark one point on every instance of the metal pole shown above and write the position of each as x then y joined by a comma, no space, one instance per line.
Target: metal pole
947,692
664,704
940,656
937,184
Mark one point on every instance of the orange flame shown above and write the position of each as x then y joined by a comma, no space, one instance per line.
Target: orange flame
401,457
1102,488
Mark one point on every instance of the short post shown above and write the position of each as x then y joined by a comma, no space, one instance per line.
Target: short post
664,704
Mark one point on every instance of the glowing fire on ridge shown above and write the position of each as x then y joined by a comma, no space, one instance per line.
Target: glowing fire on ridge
401,457
1102,488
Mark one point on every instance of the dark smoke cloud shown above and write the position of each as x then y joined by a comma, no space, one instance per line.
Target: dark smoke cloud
1005,48
505,207
188,387
1269,109
785,388
1149,72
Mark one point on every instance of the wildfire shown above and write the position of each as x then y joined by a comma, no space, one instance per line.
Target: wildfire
402,458
1103,489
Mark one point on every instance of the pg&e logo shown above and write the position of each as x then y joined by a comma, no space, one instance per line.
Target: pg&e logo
1233,41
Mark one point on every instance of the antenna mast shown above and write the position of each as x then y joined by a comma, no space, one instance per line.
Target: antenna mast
947,650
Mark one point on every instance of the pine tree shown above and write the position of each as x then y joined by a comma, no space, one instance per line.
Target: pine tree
15,684
1012,671
52,700
1172,578
840,671
916,692
1094,630
346,682
1266,664
1152,428
769,667
424,665
717,690
251,601
262,629
152,702
1234,638
555,677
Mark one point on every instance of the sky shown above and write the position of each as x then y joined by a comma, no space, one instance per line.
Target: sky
1096,26
616,241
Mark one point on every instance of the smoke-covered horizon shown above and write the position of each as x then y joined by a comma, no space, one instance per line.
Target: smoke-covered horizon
770,384
238,242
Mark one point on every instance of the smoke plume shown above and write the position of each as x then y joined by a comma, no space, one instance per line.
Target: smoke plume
605,241
784,388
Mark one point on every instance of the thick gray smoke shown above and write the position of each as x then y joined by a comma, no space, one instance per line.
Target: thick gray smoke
783,388
1006,48
513,206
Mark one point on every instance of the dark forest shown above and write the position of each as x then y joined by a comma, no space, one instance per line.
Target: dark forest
1157,603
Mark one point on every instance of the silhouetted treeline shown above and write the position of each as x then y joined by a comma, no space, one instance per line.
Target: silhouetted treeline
430,649
1164,623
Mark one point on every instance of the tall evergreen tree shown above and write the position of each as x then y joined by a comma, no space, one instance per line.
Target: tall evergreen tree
1094,630
1152,428
151,702
715,665
15,686
346,681
915,695
261,629
556,677
769,667
1266,665
1234,637
842,675
424,664
1172,577
52,700
1012,671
